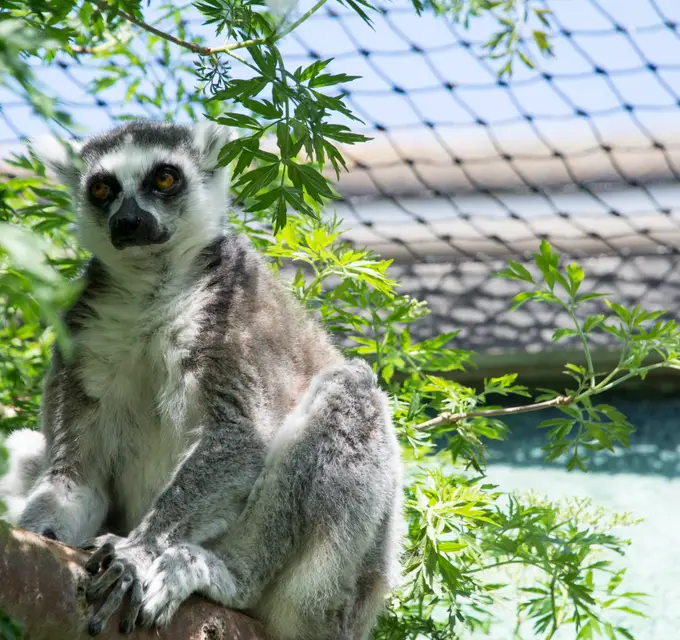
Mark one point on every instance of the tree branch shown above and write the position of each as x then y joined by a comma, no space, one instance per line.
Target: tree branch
560,401
301,19
42,587
452,418
199,49
192,46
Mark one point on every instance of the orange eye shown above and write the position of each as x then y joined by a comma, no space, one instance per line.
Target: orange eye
164,180
100,190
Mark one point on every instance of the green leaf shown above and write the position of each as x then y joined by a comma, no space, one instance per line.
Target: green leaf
451,546
342,133
254,180
358,5
575,275
266,199
312,70
242,89
631,611
327,80
559,334
521,298
542,13
265,62
541,40
27,252
592,322
263,107
240,120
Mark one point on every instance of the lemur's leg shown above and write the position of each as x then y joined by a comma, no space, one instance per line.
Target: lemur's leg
26,449
68,500
322,503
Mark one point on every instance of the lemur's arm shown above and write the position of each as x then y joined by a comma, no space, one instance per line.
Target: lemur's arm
210,487
68,502
203,499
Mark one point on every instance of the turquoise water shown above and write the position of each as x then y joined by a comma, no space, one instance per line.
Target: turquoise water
644,480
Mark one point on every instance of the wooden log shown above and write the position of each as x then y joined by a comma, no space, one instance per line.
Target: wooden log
42,586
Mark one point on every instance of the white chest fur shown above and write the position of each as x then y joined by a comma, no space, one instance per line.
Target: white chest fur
147,405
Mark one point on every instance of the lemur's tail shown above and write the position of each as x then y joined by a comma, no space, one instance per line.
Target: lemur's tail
26,450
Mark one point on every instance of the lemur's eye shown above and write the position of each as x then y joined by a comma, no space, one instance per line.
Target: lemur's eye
165,179
100,190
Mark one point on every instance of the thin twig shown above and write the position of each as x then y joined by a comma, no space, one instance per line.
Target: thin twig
301,19
209,51
101,48
192,46
452,418
559,401
584,342
237,45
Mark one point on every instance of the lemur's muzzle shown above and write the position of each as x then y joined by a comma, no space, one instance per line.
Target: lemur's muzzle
132,226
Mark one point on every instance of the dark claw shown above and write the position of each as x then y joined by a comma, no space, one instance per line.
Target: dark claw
102,557
92,565
49,533
94,627
126,626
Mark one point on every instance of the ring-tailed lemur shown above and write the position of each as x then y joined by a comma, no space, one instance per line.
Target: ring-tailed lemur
204,427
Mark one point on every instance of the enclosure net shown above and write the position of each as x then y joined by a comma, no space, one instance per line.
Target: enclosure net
466,169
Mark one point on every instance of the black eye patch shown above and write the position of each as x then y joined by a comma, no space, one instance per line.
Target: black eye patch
102,189
165,180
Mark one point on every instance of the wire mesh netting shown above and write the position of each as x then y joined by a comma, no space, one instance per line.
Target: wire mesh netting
466,169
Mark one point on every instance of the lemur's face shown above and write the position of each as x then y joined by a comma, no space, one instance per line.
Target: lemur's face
144,185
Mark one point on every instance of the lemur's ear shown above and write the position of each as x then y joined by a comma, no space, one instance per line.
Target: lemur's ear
60,157
209,138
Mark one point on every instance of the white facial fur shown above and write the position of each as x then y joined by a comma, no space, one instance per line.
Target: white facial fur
194,217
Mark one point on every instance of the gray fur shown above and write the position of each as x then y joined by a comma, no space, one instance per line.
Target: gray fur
205,428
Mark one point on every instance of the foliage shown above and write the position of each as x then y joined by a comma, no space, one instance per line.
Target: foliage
461,530
469,547
39,259
521,29
9,629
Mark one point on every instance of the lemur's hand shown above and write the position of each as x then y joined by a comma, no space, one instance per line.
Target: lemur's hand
119,565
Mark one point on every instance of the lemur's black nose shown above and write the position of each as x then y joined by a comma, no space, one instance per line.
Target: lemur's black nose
133,226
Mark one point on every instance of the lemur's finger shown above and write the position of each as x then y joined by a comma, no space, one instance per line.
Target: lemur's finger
101,584
129,618
99,619
100,557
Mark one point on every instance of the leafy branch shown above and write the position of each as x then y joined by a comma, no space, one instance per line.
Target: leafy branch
467,541
201,49
448,418
522,25
640,334
467,551
296,113
376,332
